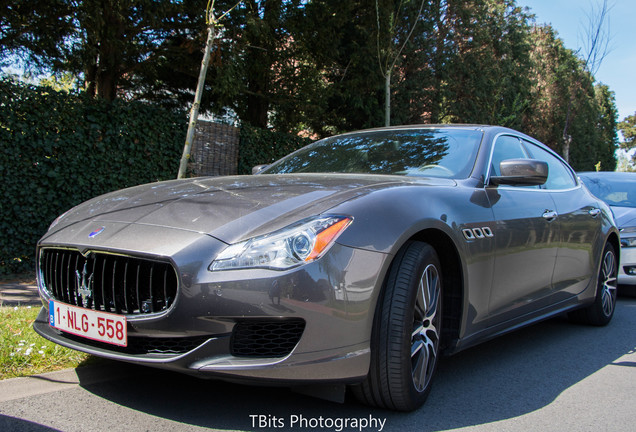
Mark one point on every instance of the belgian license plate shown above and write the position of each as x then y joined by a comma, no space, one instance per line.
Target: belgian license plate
96,325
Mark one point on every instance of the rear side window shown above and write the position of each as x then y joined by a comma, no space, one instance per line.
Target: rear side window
559,175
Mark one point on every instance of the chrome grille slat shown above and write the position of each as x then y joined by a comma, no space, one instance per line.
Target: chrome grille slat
55,271
70,273
165,291
104,302
152,307
112,284
137,288
126,287
49,271
119,284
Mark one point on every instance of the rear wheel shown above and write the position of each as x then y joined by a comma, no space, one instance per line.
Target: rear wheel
601,311
406,335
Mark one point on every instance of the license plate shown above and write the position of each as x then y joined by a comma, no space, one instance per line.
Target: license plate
99,326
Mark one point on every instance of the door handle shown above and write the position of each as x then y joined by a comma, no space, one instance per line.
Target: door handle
595,212
549,215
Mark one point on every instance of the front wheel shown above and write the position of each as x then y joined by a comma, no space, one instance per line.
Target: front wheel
600,312
405,343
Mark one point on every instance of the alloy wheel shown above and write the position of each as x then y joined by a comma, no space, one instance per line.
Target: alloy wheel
426,327
608,279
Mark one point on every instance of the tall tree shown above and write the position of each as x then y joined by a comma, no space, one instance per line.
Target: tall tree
212,22
335,38
105,42
606,127
33,32
260,43
628,129
395,26
564,94
596,46
312,65
487,77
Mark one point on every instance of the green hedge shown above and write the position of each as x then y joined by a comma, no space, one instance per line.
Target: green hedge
57,150
261,146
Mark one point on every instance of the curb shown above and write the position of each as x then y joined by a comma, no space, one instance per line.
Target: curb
49,382
19,294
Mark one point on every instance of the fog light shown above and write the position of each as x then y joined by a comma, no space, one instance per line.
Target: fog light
630,270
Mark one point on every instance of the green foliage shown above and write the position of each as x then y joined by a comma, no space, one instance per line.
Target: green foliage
308,65
118,47
565,104
260,146
628,129
346,88
625,163
34,31
606,130
58,150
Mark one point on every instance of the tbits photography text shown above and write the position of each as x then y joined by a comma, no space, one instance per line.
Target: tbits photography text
299,422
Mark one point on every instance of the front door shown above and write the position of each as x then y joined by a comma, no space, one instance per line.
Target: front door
527,240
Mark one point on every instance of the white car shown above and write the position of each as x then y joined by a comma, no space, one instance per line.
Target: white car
618,190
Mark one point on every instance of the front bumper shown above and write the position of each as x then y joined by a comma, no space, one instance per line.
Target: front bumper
334,297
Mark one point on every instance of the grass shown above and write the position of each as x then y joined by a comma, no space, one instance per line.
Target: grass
23,352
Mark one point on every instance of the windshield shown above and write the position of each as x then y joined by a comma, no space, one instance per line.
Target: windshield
619,192
446,153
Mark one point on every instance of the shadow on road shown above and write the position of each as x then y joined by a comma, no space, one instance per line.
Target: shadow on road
8,423
513,375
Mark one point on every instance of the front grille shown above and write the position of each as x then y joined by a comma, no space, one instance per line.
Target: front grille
109,283
266,338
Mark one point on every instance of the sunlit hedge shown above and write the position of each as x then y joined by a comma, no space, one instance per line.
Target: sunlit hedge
57,150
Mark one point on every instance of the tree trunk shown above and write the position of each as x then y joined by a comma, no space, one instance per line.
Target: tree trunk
194,112
387,98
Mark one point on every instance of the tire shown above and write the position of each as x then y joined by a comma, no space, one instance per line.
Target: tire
600,312
405,343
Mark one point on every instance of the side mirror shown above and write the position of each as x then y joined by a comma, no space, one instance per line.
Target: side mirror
521,172
259,168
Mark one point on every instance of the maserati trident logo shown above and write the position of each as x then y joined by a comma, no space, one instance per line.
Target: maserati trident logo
84,285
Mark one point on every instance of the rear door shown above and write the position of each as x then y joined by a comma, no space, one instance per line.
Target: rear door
580,224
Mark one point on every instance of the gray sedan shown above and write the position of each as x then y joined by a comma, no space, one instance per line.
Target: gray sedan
355,262
618,190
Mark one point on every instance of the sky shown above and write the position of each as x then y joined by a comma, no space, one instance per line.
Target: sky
570,19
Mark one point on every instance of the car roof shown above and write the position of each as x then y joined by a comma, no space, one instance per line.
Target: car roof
465,126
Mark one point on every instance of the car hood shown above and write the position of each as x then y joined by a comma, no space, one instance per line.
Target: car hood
624,216
230,209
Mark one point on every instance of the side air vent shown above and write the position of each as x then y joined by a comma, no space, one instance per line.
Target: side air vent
266,338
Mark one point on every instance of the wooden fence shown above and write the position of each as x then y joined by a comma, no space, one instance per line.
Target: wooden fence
214,150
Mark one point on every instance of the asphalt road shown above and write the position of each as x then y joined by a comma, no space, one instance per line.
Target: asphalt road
553,376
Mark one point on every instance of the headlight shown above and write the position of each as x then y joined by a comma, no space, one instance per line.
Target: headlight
290,247
628,242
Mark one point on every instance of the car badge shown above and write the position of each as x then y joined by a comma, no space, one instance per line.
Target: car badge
84,285
96,232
